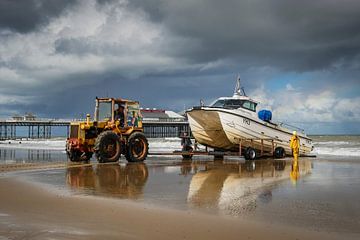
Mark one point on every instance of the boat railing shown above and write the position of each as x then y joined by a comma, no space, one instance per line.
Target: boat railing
282,124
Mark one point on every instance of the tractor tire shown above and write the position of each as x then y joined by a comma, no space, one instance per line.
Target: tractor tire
250,154
107,147
137,147
73,155
78,156
279,152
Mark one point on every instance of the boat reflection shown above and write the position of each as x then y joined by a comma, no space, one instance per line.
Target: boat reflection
109,179
235,188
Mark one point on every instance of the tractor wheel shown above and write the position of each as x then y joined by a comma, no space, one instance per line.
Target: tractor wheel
78,156
107,147
137,147
73,155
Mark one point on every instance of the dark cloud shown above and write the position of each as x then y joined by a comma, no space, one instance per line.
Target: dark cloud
301,36
26,15
170,53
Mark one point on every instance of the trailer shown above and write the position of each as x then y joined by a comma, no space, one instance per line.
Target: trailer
247,153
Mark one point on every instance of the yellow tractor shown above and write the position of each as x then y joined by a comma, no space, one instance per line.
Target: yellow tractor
116,129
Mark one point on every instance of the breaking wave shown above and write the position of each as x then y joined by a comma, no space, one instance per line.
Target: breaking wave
343,147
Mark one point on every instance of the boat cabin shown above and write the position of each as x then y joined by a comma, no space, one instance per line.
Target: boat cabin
235,103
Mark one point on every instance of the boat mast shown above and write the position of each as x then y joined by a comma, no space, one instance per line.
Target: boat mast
239,91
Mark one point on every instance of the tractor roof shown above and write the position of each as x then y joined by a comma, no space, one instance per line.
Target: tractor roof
117,100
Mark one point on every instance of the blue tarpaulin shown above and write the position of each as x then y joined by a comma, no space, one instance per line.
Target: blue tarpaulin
265,115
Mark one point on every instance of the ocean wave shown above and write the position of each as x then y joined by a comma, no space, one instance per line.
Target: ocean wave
335,143
344,152
54,144
343,146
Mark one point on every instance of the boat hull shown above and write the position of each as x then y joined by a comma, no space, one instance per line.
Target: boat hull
238,127
207,129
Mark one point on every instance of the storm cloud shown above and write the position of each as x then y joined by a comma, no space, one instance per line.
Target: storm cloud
56,56
27,15
300,36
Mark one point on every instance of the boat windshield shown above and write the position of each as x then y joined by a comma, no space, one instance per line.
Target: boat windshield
235,104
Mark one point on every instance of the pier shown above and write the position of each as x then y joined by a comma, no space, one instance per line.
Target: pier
34,129
42,129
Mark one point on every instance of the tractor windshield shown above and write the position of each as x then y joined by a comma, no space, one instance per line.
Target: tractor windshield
105,111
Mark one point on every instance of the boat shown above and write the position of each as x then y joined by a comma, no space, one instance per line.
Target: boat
230,123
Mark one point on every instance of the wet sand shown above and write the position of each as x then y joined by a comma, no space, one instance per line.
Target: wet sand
30,212
181,200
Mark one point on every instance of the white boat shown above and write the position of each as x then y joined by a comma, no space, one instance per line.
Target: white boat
231,121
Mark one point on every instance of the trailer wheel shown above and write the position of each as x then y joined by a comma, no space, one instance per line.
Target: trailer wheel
250,154
187,156
279,152
218,157
137,147
107,147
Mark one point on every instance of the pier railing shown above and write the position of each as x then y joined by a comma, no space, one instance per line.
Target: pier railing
43,128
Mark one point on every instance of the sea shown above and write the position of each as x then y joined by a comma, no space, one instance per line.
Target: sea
337,146
11,151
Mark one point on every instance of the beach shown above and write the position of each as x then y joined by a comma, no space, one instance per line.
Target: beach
167,198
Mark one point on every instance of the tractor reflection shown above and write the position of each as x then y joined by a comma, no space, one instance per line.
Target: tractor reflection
109,179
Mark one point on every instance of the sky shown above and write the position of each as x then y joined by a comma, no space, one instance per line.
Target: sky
300,59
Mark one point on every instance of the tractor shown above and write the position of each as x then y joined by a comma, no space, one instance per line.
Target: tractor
116,129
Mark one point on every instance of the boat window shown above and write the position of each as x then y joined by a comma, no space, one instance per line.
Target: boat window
249,105
233,103
219,104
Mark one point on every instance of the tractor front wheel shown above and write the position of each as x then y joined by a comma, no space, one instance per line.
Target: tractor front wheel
137,147
107,147
73,155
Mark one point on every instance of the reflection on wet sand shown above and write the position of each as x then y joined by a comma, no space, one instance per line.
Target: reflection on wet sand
30,155
230,187
234,189
109,179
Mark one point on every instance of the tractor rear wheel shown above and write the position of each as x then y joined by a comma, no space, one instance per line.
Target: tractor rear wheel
137,147
107,147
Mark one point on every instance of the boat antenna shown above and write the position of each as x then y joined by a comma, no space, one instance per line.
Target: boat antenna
239,91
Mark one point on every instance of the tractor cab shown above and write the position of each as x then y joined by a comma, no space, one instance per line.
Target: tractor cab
125,114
